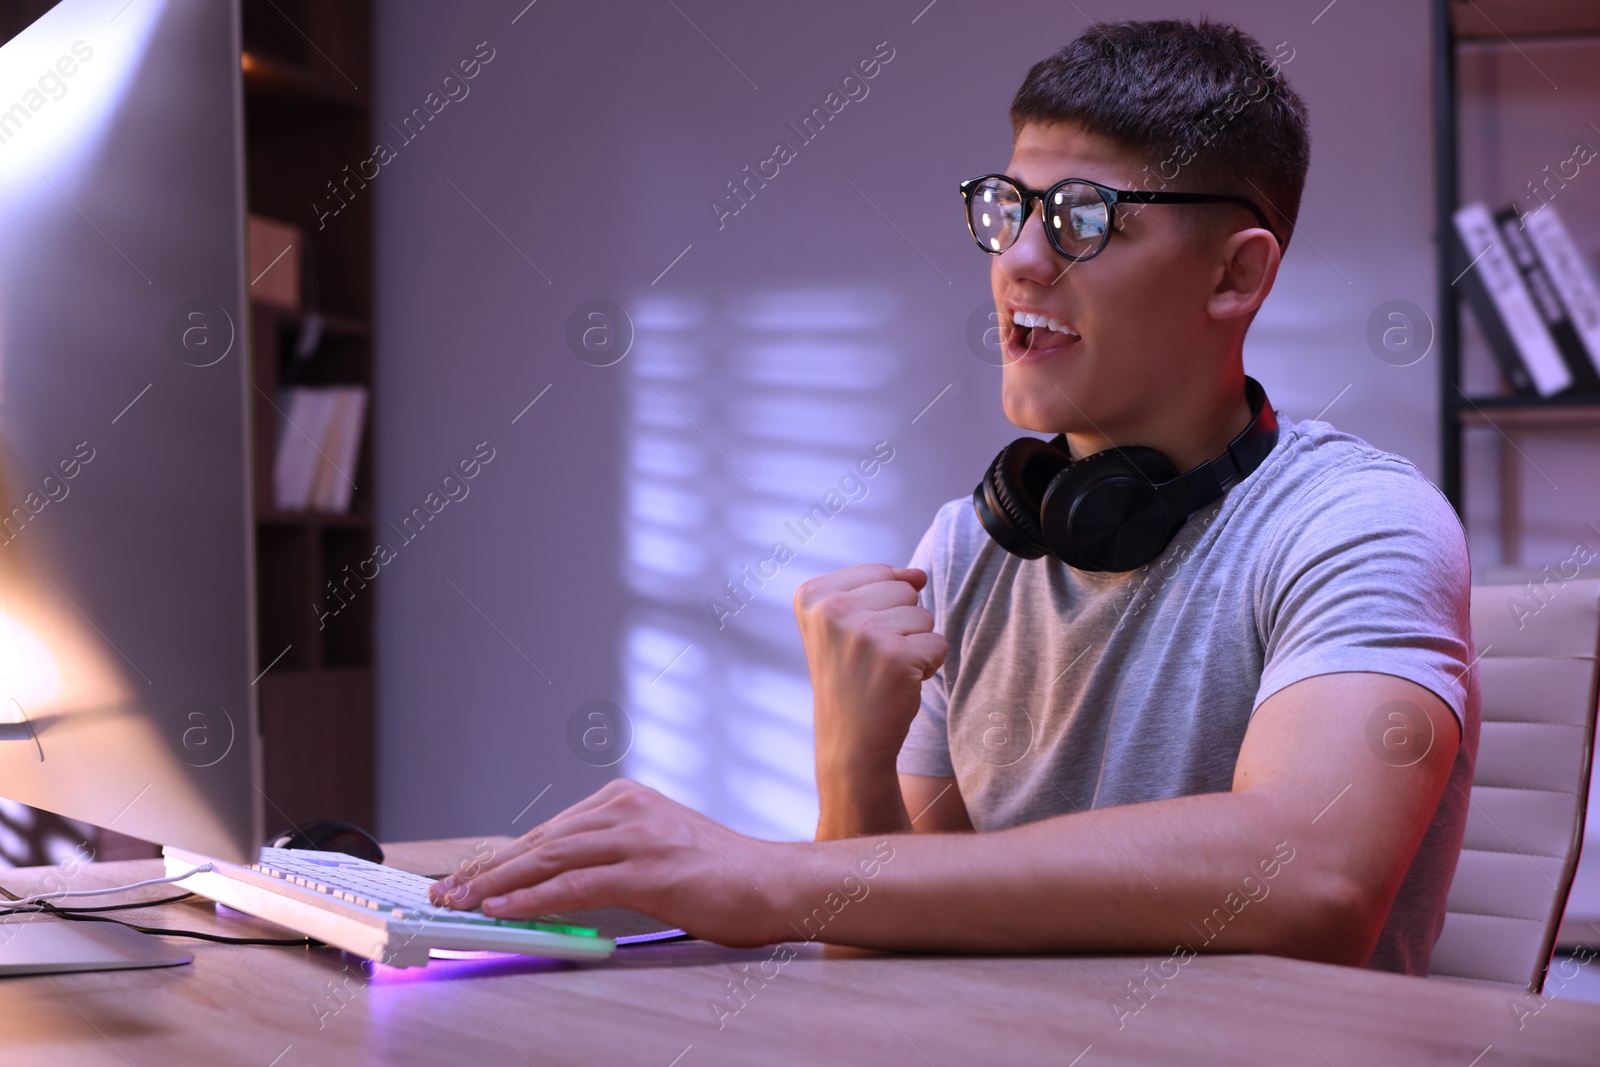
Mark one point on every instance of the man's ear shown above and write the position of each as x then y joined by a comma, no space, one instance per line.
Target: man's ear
1248,261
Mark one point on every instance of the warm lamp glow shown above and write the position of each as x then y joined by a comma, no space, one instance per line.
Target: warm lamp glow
28,672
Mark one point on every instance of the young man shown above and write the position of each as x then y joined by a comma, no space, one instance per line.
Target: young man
1255,736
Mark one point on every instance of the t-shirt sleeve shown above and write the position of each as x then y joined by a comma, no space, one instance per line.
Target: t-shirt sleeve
1369,572
927,746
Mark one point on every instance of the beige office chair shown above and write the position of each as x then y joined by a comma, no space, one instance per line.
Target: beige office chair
1538,671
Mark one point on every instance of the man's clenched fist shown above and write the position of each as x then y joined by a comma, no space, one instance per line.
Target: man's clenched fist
870,646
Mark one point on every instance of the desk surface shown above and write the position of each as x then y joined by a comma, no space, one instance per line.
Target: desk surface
652,1005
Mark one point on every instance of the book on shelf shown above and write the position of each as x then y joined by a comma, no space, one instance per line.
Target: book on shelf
1526,353
1571,275
319,443
336,480
1536,276
274,263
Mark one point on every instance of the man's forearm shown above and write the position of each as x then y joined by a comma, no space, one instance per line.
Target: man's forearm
1304,857
1223,871
857,801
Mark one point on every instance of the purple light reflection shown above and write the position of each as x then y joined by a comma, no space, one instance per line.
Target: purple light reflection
480,965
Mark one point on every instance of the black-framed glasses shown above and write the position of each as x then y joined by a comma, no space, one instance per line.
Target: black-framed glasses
1079,214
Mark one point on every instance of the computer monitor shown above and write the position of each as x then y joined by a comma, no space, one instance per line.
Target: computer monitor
127,645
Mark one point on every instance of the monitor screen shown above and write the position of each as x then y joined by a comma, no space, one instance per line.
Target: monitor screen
126,634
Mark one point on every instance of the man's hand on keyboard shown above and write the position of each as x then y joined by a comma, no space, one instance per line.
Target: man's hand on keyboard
628,845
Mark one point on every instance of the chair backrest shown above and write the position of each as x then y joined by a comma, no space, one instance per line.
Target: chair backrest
1538,669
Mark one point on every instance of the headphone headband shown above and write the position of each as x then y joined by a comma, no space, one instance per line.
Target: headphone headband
1191,491
1117,509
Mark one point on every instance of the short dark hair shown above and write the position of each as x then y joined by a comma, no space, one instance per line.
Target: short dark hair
1201,102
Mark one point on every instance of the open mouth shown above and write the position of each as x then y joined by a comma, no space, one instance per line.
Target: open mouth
1033,334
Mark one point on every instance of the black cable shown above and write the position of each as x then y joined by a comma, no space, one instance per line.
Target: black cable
82,915
305,942
104,907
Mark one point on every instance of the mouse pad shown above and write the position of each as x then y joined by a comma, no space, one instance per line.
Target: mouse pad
623,925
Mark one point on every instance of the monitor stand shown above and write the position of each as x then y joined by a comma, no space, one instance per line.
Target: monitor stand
53,946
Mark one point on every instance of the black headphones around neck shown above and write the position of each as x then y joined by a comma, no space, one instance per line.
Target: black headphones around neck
1115,510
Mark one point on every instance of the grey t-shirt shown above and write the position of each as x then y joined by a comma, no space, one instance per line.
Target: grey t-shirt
1067,690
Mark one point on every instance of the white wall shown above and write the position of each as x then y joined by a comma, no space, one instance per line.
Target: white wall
772,354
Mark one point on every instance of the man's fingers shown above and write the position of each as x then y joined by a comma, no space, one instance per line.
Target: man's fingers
473,866
587,848
882,595
447,890
589,887
455,889
931,651
854,577
915,575
907,619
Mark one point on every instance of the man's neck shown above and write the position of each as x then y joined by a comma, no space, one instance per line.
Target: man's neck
1188,439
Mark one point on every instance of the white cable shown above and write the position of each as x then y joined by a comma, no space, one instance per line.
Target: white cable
114,889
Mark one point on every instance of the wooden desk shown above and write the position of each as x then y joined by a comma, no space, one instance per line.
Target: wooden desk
652,1006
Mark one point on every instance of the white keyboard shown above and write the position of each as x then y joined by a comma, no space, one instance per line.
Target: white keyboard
379,912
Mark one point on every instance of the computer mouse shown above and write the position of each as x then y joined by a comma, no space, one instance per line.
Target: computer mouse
331,835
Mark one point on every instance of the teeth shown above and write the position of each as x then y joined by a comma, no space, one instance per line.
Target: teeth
1028,318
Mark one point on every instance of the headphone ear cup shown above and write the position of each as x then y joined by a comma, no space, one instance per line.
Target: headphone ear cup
1106,512
1012,491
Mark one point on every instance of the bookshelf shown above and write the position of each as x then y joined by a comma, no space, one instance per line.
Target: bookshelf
1491,24
307,86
